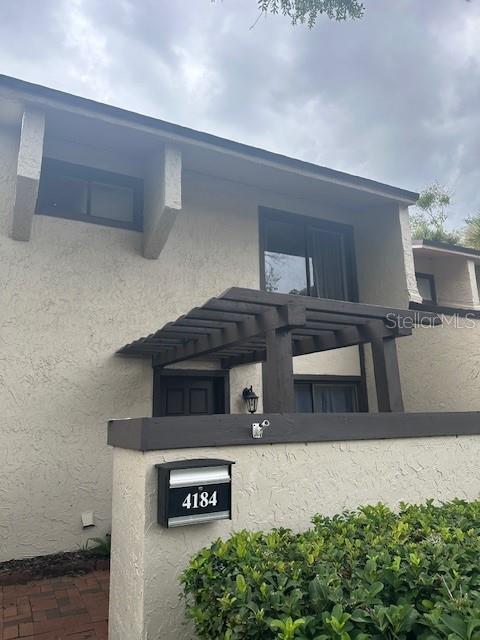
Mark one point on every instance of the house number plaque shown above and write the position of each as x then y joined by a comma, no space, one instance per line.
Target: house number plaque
194,491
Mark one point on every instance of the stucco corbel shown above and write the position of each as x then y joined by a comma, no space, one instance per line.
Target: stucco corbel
163,199
413,294
29,165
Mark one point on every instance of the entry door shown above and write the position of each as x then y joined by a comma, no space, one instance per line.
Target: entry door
187,396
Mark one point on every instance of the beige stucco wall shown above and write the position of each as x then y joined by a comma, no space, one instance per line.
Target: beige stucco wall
76,292
70,297
273,485
440,366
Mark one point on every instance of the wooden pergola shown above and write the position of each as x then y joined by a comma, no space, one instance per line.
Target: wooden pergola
243,326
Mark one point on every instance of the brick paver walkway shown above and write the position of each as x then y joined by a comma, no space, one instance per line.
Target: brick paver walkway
73,608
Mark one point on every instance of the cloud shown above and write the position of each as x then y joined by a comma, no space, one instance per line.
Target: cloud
394,97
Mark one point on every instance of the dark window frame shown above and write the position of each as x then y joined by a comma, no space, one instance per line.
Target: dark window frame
431,278
92,175
266,215
162,372
357,382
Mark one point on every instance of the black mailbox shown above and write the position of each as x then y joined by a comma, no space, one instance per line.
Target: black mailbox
194,491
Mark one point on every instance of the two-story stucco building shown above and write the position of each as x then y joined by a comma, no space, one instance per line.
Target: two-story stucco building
113,224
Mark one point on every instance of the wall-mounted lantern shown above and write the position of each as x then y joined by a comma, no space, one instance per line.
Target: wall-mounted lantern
251,399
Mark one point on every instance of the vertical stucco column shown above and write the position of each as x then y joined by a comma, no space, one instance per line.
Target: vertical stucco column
472,278
127,576
163,199
406,232
29,165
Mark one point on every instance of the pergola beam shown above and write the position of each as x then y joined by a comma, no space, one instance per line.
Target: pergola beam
387,374
274,318
345,308
245,326
318,343
278,391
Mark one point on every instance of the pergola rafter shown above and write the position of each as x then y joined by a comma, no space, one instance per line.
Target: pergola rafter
244,326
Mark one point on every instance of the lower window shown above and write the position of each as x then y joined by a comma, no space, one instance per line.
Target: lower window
328,395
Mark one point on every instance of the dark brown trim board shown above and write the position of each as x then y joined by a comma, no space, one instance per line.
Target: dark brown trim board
157,434
457,248
473,314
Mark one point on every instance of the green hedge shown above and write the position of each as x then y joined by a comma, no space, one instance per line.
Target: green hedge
370,573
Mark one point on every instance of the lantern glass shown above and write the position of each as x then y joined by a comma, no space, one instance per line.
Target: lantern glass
251,399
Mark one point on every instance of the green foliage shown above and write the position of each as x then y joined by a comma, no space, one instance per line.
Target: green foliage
428,221
307,11
368,574
472,231
100,547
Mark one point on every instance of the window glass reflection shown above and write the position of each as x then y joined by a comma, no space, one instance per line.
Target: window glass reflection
285,269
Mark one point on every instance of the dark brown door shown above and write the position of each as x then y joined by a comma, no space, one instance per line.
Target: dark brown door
187,396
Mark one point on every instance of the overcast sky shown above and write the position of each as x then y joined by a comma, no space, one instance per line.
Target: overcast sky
394,97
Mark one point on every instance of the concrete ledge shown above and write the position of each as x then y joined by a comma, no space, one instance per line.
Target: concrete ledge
150,434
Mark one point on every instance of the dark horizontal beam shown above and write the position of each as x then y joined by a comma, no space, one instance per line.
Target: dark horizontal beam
184,432
212,314
303,345
253,296
239,316
204,324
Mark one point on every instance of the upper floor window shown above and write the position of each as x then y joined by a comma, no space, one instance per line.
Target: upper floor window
306,256
91,195
426,287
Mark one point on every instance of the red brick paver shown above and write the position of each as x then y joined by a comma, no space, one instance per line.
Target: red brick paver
70,608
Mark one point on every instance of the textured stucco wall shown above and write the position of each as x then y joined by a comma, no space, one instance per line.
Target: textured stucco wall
69,298
276,485
440,366
76,292
381,259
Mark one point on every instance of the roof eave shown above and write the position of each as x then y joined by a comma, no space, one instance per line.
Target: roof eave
58,99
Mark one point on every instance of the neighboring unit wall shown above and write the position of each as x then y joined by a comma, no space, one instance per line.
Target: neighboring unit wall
454,277
281,485
440,366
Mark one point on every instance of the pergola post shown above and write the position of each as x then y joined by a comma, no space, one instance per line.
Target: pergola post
278,393
387,374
